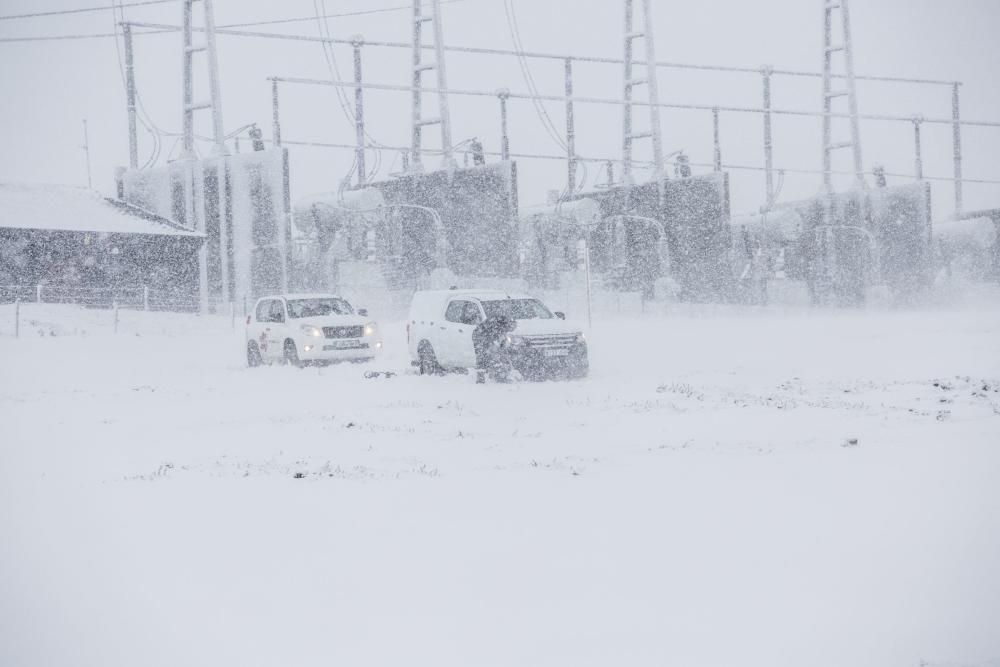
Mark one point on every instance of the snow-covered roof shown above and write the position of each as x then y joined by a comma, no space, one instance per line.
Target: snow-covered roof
66,208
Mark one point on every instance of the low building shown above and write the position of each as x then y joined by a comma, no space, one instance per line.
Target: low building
66,244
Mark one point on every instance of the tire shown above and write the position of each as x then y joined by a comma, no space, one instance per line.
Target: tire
428,361
253,355
292,354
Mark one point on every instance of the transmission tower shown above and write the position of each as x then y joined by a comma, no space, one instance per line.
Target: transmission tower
652,91
849,91
419,67
215,101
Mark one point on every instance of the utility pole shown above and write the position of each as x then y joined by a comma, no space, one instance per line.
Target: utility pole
850,92
502,95
133,141
766,72
275,115
419,67
86,151
652,91
957,148
716,146
359,111
570,130
194,187
918,161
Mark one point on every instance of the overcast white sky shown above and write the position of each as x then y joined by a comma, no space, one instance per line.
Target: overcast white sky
50,86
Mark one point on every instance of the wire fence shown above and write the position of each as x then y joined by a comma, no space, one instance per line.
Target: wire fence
140,297
30,309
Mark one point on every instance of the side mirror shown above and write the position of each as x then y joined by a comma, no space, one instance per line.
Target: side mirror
363,312
561,315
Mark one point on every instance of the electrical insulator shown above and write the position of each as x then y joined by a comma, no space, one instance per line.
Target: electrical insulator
258,138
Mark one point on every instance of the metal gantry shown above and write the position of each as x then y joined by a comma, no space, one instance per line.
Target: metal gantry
214,103
849,91
652,90
194,185
443,119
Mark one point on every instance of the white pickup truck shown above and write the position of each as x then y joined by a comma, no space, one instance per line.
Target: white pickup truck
542,344
306,328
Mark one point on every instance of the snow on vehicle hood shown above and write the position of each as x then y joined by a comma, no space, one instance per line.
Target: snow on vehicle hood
333,321
538,327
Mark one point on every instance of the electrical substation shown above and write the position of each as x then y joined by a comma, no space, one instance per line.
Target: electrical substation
654,226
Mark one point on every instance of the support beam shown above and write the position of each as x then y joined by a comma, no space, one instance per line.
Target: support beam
570,130
653,88
768,142
918,166
416,113
502,95
827,99
275,116
717,152
852,93
627,98
187,121
956,134
133,140
442,80
214,87
359,113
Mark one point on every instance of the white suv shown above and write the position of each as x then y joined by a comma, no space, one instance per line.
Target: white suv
303,328
542,345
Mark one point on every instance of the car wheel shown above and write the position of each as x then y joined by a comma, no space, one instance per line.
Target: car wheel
253,355
291,354
428,362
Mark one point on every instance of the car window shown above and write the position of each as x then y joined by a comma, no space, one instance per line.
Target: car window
264,311
277,311
454,312
517,309
470,314
318,307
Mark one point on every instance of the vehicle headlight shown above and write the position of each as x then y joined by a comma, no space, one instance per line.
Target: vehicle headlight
515,340
370,329
310,330
580,338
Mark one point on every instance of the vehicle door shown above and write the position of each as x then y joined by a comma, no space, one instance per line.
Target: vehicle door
462,346
260,324
270,328
447,334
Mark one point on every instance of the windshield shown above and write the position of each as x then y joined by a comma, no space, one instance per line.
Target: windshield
318,307
517,309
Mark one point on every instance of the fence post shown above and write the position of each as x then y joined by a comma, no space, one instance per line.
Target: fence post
114,305
17,318
244,305
145,297
38,293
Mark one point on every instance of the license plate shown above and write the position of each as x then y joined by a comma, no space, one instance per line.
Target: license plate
343,345
556,353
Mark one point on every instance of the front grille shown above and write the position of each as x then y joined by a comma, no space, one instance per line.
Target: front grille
344,332
549,342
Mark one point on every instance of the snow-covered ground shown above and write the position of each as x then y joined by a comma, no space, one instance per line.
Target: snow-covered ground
729,487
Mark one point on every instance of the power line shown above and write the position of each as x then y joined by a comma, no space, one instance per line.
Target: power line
617,102
105,35
102,8
58,38
562,57
603,160
303,19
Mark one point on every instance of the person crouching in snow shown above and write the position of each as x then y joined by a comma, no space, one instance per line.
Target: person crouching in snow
488,340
